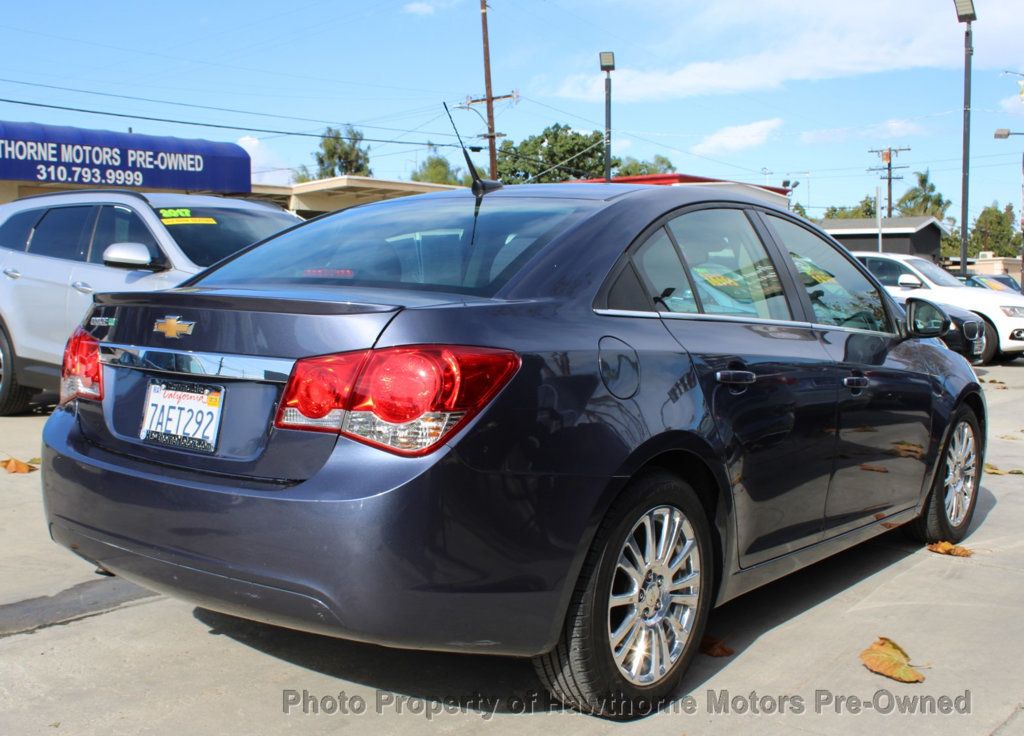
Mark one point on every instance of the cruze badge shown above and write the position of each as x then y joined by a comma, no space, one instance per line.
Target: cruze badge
173,327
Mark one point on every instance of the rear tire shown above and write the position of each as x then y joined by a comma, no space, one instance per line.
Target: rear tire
950,505
14,398
653,606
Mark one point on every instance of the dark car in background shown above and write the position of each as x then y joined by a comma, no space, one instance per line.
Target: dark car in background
557,421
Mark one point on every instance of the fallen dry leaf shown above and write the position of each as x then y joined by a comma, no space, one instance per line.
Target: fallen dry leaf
1013,437
1000,388
907,449
34,461
1016,471
715,647
874,468
17,466
948,548
997,381
886,657
993,470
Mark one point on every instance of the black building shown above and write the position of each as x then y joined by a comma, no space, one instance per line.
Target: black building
921,236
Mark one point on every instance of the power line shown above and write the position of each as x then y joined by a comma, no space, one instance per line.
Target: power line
886,154
204,107
220,126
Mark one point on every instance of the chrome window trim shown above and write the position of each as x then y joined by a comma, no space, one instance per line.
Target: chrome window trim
738,319
198,364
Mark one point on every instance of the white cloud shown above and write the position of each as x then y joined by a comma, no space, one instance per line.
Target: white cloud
772,42
419,8
737,137
267,166
1014,104
887,130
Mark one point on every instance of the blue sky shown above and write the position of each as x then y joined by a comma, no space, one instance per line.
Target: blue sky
724,88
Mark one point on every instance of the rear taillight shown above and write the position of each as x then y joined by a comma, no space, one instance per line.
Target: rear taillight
81,375
403,399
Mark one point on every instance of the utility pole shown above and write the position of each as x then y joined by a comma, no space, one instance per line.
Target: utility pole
886,154
488,96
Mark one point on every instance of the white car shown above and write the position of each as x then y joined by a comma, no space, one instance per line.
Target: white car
57,250
1002,312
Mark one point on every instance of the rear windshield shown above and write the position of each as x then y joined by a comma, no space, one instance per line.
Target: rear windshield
421,244
208,234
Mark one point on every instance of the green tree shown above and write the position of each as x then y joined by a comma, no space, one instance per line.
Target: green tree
798,209
342,153
658,165
301,174
950,246
923,199
993,230
558,153
436,169
866,208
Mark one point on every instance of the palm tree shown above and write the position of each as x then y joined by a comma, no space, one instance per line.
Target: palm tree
923,199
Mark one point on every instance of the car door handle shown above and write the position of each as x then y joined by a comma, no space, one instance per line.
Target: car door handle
12,273
856,382
82,287
742,378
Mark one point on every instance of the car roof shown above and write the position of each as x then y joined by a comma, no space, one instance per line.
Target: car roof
154,199
600,191
892,256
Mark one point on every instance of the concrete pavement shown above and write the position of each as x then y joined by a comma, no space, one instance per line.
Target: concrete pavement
105,658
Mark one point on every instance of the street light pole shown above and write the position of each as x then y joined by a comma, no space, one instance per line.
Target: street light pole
607,59
965,13
968,52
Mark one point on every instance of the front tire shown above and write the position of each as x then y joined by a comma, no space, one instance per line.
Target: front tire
991,344
14,398
950,505
641,604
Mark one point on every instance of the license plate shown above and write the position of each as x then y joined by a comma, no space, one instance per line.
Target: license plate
183,415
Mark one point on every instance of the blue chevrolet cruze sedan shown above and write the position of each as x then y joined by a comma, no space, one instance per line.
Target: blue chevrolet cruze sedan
558,421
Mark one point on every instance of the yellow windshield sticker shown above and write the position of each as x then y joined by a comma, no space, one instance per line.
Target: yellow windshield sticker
188,221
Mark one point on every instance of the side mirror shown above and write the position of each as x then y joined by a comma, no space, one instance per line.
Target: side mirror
909,281
127,255
925,319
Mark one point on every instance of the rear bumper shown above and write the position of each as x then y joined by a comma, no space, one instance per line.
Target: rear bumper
440,556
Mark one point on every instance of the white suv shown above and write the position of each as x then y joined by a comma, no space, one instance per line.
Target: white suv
57,249
1002,312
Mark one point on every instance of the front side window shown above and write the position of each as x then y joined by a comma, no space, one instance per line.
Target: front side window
120,224
63,233
417,244
839,293
730,266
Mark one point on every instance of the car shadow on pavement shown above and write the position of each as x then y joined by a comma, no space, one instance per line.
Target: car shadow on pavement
486,684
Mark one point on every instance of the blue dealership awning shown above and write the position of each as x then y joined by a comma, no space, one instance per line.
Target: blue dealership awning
56,154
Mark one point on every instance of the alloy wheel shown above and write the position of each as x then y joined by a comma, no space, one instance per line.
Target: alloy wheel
961,473
655,590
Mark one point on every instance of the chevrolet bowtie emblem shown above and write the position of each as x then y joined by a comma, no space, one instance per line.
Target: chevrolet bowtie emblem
173,327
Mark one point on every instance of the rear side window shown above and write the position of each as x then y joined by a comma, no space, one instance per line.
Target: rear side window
626,292
119,224
730,266
15,231
659,262
421,244
63,233
839,293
